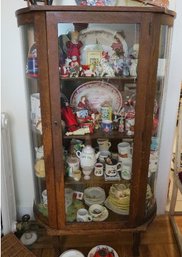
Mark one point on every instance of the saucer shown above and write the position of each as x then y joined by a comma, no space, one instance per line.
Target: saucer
102,217
72,253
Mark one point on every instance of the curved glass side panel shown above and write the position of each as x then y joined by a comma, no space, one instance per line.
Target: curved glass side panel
34,111
159,105
98,80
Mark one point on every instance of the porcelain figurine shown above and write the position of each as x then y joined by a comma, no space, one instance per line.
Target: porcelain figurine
117,46
73,46
133,68
107,70
39,152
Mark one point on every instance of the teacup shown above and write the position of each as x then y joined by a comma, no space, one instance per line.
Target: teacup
103,155
83,215
104,144
99,169
111,170
96,210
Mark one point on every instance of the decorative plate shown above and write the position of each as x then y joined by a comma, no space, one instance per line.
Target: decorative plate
97,92
72,253
99,39
99,247
116,209
93,195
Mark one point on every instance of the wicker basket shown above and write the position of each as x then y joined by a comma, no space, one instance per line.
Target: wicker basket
12,247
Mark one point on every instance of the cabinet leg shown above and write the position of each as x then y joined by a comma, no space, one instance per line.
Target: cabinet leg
136,243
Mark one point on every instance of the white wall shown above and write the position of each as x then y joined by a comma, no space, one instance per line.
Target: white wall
171,105
14,103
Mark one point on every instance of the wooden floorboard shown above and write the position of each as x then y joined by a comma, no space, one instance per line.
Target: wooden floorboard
157,241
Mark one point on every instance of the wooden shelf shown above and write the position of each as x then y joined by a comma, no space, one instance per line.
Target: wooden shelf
119,78
101,134
93,181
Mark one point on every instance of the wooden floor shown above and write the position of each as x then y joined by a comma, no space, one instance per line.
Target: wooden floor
158,241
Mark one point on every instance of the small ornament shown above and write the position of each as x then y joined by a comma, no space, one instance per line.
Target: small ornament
73,46
69,117
121,125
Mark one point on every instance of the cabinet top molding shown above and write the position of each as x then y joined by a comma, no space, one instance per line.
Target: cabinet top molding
65,8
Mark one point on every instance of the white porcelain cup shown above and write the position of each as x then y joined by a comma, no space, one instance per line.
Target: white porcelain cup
44,197
126,169
104,144
99,169
112,169
124,150
83,216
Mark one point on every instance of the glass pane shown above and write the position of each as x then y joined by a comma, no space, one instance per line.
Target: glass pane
34,109
98,74
158,108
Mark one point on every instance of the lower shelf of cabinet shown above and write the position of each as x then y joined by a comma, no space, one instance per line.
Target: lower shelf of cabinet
114,223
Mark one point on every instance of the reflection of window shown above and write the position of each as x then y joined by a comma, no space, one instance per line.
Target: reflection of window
93,57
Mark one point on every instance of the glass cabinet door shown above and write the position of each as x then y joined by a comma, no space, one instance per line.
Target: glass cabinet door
98,82
35,121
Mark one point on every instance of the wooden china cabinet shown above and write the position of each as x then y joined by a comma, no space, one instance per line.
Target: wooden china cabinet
107,83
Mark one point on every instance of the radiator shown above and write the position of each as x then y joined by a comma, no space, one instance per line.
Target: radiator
8,203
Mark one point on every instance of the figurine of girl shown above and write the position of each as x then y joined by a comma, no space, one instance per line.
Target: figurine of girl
84,103
117,46
73,46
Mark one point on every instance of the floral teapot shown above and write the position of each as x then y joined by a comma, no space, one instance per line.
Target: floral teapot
87,157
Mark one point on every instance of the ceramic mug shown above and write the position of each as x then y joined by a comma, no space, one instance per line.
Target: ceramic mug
73,164
104,144
124,150
126,169
106,126
99,169
106,113
83,215
111,170
76,175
